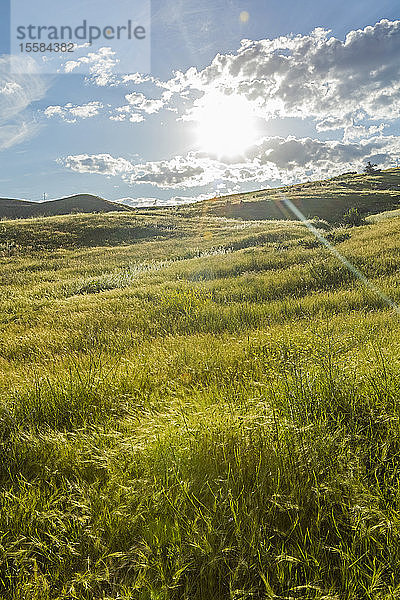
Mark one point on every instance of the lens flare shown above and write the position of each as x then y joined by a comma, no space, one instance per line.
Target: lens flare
356,272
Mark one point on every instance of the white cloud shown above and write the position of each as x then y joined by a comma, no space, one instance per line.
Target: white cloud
137,78
314,75
136,118
173,201
104,164
332,123
338,83
297,159
139,101
19,87
125,113
11,135
356,132
192,170
275,158
85,111
139,104
341,85
350,86
138,202
101,65
71,113
10,87
119,117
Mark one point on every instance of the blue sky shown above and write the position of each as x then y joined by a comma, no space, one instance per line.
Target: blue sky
160,137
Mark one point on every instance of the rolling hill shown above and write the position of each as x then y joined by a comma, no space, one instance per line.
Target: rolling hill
327,199
79,203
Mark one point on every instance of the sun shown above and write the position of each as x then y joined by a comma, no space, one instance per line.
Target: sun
225,124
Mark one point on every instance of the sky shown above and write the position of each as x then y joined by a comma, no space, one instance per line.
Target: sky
236,96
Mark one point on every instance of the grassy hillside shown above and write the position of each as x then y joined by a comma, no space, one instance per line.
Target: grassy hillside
330,199
198,408
12,208
85,230
79,203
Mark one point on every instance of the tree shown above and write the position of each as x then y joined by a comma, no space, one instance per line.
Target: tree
371,168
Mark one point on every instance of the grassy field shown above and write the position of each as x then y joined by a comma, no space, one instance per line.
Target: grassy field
198,408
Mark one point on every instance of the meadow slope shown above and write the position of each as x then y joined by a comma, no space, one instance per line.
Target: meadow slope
195,407
328,199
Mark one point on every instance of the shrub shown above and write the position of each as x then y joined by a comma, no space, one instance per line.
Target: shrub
353,218
335,237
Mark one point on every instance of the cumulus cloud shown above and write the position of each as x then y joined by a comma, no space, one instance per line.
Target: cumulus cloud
173,201
125,113
71,113
137,78
148,105
340,84
352,85
297,159
100,64
314,75
104,164
357,132
275,158
138,105
192,170
9,88
335,82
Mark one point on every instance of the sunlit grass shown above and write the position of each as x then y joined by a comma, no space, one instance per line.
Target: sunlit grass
209,412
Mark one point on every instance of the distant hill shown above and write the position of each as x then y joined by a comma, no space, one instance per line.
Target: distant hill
328,199
79,203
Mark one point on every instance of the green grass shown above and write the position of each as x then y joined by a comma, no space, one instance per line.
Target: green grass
194,407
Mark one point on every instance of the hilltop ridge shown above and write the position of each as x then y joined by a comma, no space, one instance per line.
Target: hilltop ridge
82,203
328,199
